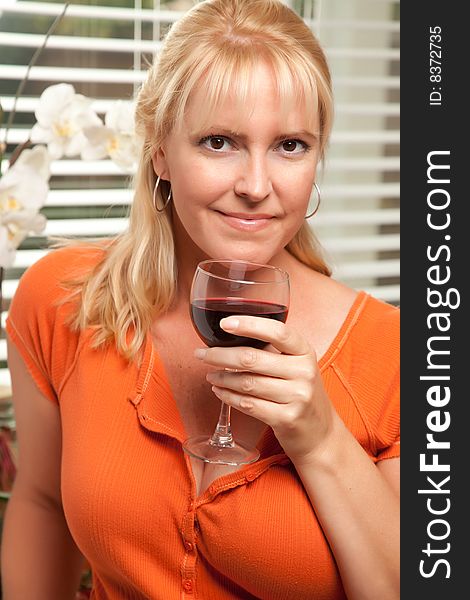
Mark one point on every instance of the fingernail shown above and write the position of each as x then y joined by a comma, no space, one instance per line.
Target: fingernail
200,353
229,323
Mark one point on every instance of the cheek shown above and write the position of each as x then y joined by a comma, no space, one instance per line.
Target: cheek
191,199
196,186
296,192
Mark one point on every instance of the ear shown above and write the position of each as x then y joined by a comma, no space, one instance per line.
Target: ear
160,164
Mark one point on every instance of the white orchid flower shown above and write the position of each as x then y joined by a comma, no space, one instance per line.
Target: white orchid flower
23,191
116,138
61,117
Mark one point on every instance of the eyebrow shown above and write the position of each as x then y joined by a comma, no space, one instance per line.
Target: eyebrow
229,132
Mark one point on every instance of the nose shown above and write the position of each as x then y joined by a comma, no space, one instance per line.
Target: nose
254,179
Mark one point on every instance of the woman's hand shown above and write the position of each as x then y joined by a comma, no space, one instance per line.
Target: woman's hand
283,389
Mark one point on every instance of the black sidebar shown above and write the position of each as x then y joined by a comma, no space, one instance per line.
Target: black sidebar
435,209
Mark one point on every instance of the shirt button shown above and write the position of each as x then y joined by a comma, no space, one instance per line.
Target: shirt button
189,547
250,476
188,585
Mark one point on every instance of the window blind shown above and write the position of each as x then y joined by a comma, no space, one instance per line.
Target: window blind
103,51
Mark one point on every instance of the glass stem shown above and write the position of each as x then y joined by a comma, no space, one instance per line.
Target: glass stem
222,436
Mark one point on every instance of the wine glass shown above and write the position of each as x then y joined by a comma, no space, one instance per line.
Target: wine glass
222,288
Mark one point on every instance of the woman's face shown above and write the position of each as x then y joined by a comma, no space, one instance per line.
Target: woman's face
240,195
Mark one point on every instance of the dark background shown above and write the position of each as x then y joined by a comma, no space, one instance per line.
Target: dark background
426,128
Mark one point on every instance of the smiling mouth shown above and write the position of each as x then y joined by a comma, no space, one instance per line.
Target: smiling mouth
247,217
245,222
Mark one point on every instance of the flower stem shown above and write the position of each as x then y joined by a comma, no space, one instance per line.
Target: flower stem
31,64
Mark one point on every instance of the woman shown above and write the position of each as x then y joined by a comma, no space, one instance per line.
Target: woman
109,377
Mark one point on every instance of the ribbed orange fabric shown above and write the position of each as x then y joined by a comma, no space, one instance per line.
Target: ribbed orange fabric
128,491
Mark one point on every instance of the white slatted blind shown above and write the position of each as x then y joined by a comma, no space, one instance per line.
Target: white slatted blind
358,222
102,51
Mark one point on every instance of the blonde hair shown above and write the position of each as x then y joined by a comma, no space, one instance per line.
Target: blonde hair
218,43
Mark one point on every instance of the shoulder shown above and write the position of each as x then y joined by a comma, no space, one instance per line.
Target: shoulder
41,299
39,313
369,362
45,287
378,327
370,340
46,283
49,275
379,310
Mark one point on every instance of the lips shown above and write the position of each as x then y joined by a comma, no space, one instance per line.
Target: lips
246,222
247,216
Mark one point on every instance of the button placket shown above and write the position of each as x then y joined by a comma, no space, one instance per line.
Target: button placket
188,567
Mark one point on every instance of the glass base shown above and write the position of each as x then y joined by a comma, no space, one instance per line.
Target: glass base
232,454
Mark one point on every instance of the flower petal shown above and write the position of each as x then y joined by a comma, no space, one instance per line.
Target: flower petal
7,253
37,159
40,134
120,117
90,152
73,145
124,153
56,148
52,102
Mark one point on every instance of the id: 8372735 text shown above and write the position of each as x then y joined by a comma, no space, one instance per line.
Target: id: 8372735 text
435,65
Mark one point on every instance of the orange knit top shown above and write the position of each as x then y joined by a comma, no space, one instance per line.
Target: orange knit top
128,492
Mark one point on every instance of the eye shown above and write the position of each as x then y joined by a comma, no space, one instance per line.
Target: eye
214,142
294,146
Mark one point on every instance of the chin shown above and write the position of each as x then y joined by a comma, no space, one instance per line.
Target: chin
258,257
252,247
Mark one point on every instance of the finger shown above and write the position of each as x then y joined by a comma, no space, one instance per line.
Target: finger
268,388
257,361
283,337
268,412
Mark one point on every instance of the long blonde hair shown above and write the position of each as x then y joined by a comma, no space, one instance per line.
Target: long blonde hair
218,42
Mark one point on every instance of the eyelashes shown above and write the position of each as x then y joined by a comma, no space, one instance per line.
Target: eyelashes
221,140
304,145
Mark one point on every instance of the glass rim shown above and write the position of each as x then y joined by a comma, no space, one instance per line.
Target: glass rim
284,274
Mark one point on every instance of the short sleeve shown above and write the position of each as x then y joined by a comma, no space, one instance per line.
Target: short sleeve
388,426
384,407
37,319
392,451
370,365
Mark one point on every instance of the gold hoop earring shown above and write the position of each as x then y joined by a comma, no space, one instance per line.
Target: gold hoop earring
315,185
154,198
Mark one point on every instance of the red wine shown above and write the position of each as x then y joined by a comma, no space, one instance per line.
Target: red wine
207,313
